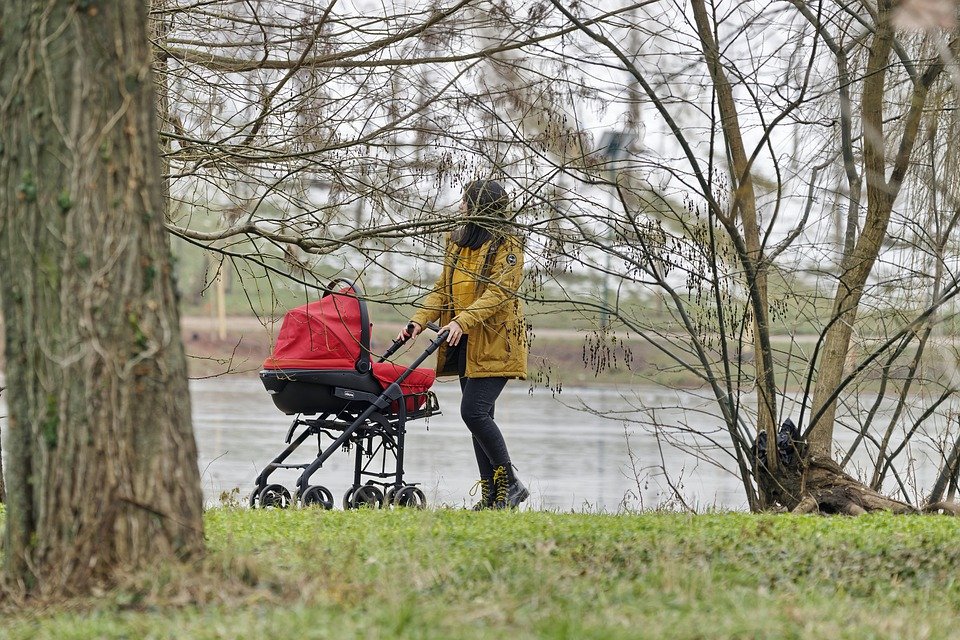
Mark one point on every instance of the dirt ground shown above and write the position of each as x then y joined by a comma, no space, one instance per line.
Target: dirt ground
244,347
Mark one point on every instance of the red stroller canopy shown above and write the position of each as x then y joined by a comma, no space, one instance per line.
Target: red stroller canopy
328,334
323,334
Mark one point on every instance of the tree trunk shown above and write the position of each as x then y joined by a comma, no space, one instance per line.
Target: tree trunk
882,193
818,484
3,488
745,203
102,463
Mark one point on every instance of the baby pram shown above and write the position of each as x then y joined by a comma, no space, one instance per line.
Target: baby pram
321,367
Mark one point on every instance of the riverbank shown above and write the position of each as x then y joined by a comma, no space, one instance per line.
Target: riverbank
558,357
459,574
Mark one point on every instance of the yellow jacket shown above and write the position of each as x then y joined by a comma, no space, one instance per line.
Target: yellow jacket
483,300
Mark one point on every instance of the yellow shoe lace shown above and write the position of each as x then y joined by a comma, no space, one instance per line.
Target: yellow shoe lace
481,485
500,484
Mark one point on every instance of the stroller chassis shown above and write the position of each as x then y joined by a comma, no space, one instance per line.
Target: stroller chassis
374,430
371,433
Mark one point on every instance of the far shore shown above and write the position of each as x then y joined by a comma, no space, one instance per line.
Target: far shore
556,358
559,358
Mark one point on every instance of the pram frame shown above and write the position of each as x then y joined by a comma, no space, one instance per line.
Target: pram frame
375,423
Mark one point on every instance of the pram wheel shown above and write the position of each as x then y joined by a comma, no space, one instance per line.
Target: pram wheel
317,495
410,496
274,495
365,496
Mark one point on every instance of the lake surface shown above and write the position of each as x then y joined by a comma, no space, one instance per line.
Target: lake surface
569,458
569,455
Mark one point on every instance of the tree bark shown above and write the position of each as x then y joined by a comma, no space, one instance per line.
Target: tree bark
102,462
815,483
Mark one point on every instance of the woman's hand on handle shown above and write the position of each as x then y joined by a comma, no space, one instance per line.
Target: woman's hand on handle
410,332
455,332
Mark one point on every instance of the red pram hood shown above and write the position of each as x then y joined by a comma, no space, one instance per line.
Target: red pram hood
323,334
327,334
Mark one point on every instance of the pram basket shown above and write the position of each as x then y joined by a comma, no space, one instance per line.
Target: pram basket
321,372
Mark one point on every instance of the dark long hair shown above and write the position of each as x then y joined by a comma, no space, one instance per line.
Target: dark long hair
485,198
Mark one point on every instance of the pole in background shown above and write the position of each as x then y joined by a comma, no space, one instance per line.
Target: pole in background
614,146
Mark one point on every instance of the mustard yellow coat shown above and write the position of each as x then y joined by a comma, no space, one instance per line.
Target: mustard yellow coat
491,313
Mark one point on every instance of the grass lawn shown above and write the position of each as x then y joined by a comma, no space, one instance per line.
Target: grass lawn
456,574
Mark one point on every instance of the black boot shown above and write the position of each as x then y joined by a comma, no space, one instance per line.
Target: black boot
485,486
508,491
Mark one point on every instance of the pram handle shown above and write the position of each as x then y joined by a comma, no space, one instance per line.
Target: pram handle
399,342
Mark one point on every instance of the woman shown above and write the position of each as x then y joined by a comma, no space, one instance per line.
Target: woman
475,300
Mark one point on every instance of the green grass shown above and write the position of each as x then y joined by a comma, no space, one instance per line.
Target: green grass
454,574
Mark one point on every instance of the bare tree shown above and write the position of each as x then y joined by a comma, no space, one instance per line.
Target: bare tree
887,153
772,214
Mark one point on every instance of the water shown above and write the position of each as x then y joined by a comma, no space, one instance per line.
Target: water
570,459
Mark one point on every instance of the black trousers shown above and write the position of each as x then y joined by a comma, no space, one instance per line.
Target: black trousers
477,408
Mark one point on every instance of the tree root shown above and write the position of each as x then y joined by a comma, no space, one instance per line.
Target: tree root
946,508
807,505
820,486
